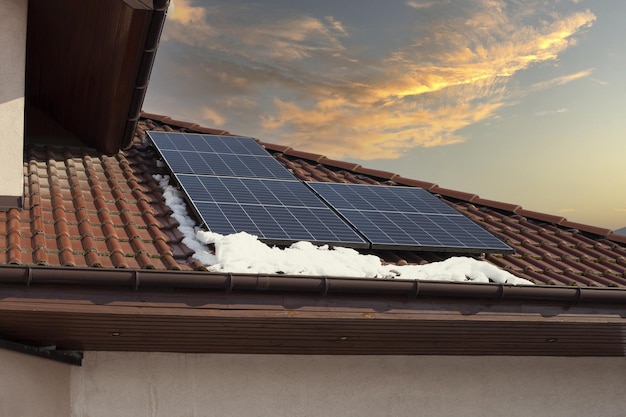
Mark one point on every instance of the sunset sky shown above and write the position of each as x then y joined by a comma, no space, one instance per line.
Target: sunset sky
517,101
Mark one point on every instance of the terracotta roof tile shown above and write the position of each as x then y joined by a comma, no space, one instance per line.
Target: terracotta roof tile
544,217
373,172
274,147
586,228
414,183
457,195
498,205
85,209
303,155
345,165
616,238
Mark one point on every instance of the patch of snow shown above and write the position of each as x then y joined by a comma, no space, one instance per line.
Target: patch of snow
244,253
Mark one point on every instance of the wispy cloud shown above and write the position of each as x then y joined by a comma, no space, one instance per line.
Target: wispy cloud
422,4
311,82
598,81
180,11
213,117
551,112
565,79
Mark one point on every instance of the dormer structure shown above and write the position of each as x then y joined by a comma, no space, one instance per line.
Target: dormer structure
72,70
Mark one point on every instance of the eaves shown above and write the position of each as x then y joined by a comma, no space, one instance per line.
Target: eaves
200,312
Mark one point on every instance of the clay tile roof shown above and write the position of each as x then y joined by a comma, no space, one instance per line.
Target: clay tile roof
83,209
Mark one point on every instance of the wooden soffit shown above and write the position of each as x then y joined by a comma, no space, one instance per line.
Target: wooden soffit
88,64
289,323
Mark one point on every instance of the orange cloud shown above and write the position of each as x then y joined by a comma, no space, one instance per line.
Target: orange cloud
424,95
213,117
180,11
313,91
562,80
349,130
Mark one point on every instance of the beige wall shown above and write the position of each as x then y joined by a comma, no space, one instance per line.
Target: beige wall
171,385
12,75
176,385
32,386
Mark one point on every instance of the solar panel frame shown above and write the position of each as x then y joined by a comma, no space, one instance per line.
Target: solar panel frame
406,218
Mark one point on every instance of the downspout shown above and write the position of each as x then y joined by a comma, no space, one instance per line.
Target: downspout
134,279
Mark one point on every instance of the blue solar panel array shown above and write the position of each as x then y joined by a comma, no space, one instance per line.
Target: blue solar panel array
235,185
406,218
217,155
276,211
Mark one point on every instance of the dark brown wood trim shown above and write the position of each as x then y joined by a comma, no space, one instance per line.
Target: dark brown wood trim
217,322
8,202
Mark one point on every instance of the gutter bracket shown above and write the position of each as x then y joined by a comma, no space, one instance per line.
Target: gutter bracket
416,291
325,286
136,279
71,357
229,283
500,292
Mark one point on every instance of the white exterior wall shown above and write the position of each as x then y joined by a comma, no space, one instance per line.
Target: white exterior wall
33,387
12,77
177,385
172,385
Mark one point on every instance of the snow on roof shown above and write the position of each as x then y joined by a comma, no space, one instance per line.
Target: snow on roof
244,253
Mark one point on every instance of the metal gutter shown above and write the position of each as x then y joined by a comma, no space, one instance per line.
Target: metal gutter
145,68
134,279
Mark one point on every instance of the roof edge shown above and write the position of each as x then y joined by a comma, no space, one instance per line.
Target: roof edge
146,62
134,279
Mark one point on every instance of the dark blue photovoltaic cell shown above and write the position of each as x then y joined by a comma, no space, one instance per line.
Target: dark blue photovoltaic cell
274,210
196,142
235,185
217,155
406,217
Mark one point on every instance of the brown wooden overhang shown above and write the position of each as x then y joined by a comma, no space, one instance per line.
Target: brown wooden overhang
88,64
200,312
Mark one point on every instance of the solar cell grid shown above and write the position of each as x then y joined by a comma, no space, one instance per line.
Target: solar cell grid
235,185
207,143
217,155
406,218
276,211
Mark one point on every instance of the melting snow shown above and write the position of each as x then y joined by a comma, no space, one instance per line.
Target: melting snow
244,253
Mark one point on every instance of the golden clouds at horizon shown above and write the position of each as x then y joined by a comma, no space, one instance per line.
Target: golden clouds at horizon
328,98
180,11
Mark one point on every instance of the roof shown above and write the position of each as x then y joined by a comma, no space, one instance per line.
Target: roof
86,209
95,261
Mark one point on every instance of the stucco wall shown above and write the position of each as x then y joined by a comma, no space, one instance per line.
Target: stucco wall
32,386
12,76
131,384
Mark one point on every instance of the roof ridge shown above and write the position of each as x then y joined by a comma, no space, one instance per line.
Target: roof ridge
400,180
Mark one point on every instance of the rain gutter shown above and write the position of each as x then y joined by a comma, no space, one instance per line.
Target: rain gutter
157,21
134,279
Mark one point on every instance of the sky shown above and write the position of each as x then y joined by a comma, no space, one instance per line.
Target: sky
244,253
516,101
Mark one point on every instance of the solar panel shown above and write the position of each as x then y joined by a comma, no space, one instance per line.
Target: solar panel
406,218
217,155
235,185
277,211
